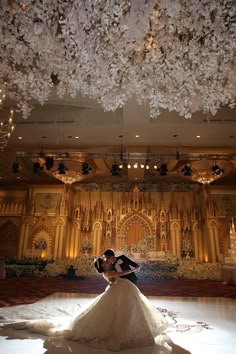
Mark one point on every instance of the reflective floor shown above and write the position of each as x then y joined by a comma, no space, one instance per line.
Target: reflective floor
200,325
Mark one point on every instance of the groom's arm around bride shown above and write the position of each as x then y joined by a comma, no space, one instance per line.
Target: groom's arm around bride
122,263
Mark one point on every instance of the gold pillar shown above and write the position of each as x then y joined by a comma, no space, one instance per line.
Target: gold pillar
56,245
173,242
22,235
212,246
26,236
195,242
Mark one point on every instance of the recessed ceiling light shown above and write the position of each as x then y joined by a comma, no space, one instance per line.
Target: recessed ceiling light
20,137
69,136
175,136
198,136
76,137
231,136
18,177
136,136
43,137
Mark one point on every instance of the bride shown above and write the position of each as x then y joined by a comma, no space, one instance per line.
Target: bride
119,318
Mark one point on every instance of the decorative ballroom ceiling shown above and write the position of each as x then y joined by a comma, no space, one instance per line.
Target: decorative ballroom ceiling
136,71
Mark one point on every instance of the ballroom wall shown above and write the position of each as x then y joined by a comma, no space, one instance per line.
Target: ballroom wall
147,221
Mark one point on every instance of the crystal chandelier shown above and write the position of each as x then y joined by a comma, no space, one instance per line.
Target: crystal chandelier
206,171
69,170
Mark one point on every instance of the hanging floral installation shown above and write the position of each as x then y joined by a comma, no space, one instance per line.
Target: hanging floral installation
177,55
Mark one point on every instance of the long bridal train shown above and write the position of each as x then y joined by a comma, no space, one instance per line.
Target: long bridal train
120,318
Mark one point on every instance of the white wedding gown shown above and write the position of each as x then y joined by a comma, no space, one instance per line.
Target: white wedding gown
120,318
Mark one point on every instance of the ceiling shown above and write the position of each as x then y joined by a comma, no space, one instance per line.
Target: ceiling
180,57
79,129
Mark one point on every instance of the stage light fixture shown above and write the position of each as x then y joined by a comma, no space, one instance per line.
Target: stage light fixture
49,161
61,169
216,170
187,171
85,168
163,169
115,170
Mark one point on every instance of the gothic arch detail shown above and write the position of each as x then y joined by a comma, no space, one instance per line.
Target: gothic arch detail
97,238
42,241
133,228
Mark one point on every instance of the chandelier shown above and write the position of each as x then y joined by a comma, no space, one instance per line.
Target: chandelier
6,127
67,170
206,171
175,55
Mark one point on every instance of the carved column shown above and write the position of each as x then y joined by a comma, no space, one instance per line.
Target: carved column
74,241
214,242
24,236
20,248
195,242
59,239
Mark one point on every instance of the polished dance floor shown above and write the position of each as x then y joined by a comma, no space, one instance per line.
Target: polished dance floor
203,314
200,325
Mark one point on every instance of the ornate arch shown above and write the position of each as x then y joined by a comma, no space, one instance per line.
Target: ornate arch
174,226
41,241
143,225
97,238
213,224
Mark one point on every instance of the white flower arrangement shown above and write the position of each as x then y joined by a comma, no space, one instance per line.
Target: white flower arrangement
176,55
40,244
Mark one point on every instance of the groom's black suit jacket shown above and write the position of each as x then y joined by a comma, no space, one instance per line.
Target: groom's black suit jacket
127,264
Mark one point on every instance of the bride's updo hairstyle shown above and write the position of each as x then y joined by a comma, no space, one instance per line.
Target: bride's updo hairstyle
98,265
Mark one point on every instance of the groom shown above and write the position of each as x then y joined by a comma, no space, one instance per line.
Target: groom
121,263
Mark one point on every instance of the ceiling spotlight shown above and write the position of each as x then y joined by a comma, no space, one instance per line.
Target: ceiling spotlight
216,170
49,163
85,168
155,167
15,167
187,171
115,170
136,165
142,165
61,169
163,169
129,165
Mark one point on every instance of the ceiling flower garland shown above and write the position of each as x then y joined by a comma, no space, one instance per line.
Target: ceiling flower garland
177,55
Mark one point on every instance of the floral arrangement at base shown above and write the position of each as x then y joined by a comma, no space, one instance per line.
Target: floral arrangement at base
83,265
168,268
191,269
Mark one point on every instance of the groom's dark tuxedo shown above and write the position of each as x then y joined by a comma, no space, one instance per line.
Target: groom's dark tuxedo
126,263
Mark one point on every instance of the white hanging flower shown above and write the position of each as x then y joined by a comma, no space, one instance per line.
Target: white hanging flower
176,55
